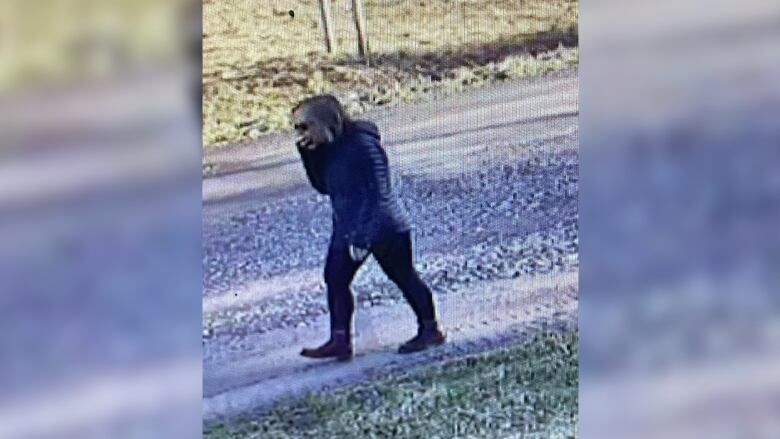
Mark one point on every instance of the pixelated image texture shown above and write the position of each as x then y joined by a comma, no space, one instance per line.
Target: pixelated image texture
476,104
163,253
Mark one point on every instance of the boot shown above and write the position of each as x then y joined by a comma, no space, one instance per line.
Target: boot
428,334
339,346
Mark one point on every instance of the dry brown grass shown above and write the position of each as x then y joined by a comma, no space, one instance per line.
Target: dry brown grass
239,33
259,61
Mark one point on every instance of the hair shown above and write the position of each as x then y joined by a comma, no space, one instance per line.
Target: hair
325,105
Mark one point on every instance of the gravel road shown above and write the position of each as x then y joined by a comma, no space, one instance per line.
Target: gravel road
491,204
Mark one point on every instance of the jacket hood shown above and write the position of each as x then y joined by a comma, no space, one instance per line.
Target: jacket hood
364,127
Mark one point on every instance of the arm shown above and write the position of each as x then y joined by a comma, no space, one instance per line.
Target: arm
312,162
376,184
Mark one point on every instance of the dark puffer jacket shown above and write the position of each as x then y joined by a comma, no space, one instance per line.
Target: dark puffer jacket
353,171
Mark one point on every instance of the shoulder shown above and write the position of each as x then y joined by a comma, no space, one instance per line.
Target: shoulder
364,130
364,125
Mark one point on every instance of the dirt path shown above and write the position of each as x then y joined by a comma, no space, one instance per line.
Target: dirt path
492,314
473,127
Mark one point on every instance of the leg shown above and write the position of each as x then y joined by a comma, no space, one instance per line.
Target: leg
395,257
340,269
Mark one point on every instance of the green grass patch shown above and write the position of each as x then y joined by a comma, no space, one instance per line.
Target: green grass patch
528,390
258,62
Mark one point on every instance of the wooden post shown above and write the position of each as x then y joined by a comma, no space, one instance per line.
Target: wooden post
326,22
359,17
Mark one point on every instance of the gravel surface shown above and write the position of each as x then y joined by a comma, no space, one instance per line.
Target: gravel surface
268,366
501,222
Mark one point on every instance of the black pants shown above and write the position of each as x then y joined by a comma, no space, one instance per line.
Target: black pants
394,255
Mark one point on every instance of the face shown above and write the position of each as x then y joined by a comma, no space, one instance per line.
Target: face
310,131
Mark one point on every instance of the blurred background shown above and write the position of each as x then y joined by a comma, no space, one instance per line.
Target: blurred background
680,202
100,283
99,219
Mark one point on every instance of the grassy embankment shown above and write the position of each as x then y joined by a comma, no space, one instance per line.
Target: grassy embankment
259,61
528,390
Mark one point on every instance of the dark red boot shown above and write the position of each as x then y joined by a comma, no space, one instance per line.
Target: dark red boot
428,334
339,347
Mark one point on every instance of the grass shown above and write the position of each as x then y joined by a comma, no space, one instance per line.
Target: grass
528,390
259,61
